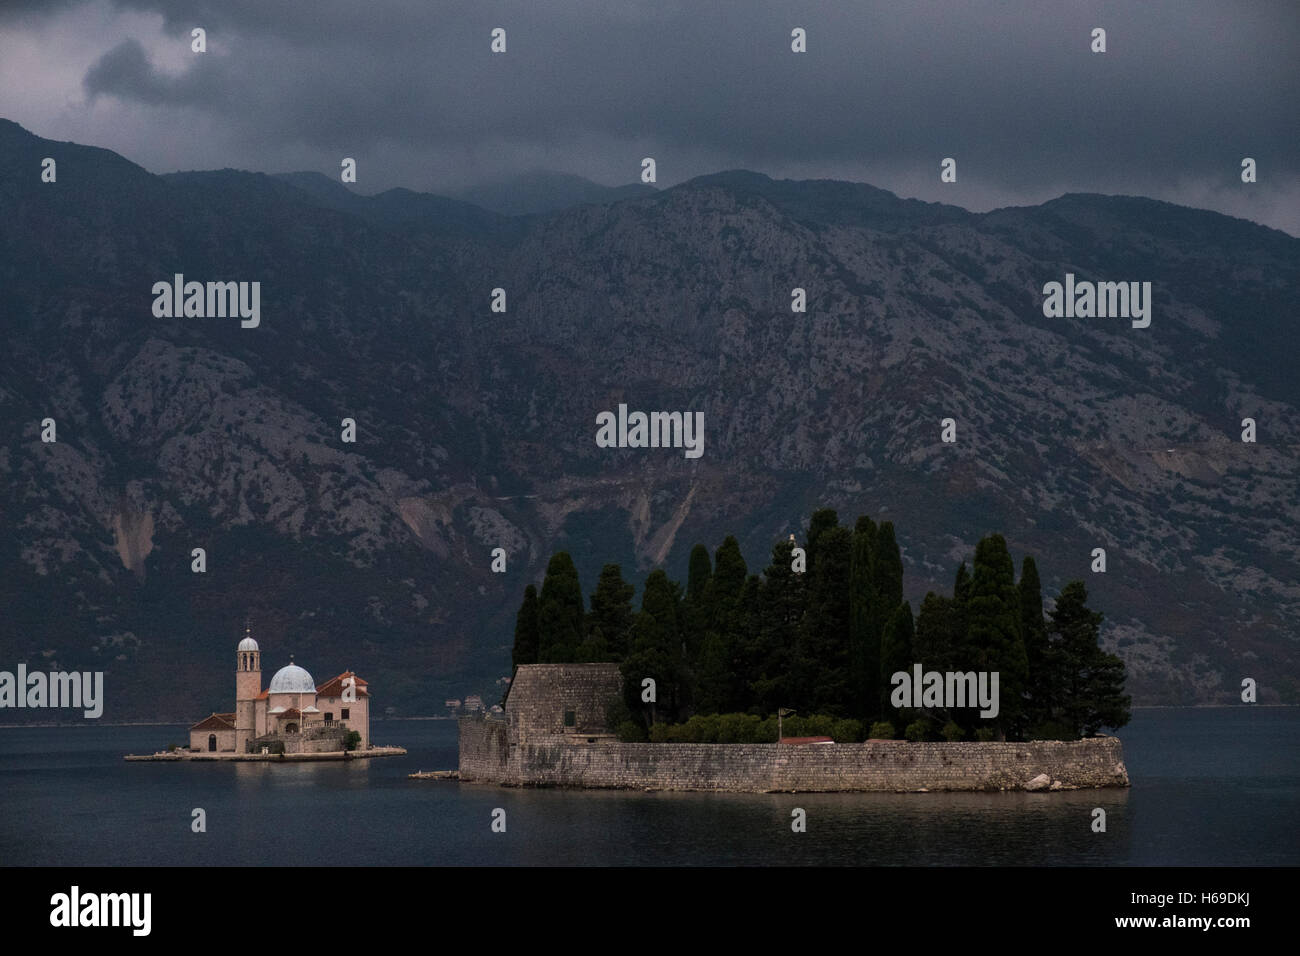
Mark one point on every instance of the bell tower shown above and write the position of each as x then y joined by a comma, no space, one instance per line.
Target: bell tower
248,684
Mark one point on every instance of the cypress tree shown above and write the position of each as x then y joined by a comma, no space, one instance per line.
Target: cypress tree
961,586
896,654
700,572
560,614
994,628
655,651
722,592
826,682
821,521
781,599
746,643
526,631
937,633
1091,681
610,620
963,656
887,569
864,640
662,599
695,621
718,685
645,658
712,677
1033,629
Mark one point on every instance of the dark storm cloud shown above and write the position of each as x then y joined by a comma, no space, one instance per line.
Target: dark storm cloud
21,11
1012,91
125,71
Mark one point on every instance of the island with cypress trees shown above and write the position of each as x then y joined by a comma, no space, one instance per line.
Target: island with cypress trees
821,634
810,650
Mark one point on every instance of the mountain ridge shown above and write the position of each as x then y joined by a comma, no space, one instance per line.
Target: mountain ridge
476,429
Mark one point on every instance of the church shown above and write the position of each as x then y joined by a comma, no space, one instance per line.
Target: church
292,715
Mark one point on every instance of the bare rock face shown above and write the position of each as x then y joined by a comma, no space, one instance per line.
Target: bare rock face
133,534
477,431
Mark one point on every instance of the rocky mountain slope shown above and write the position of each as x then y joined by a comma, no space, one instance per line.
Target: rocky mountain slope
476,429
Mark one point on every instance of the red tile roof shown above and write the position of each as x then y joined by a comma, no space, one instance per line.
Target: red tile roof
334,686
216,722
291,712
263,695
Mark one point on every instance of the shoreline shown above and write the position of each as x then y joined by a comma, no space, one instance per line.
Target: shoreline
204,757
88,722
167,723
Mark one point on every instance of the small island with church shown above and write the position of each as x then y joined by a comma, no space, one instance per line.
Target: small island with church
292,719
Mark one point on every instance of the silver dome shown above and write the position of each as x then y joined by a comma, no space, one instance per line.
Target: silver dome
248,644
292,679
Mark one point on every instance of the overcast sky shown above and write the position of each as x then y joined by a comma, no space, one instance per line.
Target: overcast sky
410,88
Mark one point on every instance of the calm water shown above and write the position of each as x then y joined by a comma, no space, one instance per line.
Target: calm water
1212,786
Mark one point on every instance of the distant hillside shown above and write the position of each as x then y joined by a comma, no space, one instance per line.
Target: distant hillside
541,191
475,429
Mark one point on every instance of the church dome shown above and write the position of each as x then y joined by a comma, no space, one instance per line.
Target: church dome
292,679
248,644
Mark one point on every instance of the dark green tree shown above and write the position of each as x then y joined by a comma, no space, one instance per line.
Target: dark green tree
887,569
896,654
825,684
781,600
746,643
1033,628
938,644
1092,681
963,654
526,630
886,577
655,651
994,629
821,521
718,685
560,614
722,592
700,571
712,678
961,586
610,620
696,613
864,637
938,633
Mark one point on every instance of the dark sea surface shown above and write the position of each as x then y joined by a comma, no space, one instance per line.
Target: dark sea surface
1211,786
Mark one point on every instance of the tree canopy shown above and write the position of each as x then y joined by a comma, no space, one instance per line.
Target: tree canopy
827,636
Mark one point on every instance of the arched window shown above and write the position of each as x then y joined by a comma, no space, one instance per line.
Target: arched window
290,728
212,743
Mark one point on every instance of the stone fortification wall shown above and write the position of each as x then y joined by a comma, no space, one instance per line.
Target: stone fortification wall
531,747
487,755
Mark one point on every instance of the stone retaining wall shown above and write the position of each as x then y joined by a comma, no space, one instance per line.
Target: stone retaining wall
488,755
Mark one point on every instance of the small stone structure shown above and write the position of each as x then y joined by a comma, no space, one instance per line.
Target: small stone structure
555,733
